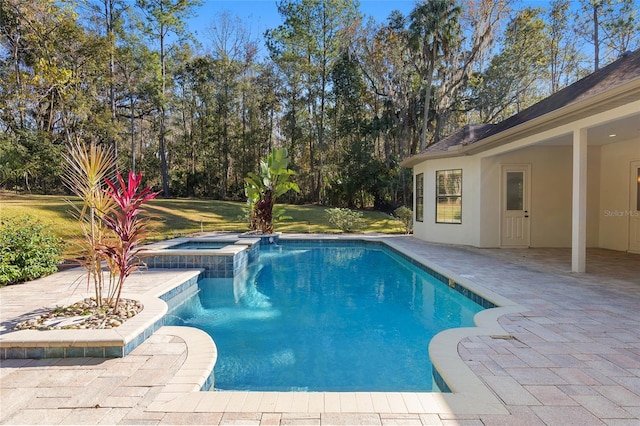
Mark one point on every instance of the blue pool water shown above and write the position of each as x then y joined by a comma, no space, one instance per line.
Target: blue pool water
325,318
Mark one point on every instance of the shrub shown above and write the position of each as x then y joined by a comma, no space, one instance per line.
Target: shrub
86,167
263,189
405,215
346,220
28,250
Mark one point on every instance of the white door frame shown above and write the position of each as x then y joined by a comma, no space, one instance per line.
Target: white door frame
515,226
634,203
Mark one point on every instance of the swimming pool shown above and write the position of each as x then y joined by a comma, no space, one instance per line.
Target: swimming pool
325,317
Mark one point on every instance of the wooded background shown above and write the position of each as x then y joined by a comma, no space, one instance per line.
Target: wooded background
347,96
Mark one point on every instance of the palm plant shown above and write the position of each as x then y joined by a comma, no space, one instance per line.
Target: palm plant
129,229
433,31
264,188
86,167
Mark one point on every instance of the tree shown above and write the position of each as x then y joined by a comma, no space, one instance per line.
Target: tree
611,26
622,28
592,9
136,67
433,31
384,61
48,89
110,16
306,48
482,21
513,79
233,52
562,54
163,18
356,171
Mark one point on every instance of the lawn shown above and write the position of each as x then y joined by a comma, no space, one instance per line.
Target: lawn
178,217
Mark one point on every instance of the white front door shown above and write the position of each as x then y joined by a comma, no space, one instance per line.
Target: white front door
515,206
634,208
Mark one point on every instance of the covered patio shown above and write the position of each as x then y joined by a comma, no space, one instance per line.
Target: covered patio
582,178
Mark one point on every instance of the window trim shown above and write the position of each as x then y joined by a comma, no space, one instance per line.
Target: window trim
439,195
420,197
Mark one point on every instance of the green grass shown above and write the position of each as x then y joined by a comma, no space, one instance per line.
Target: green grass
178,217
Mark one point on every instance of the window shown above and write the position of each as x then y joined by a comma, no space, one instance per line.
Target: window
449,196
515,190
420,197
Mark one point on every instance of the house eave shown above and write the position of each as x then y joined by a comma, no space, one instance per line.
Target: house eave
419,158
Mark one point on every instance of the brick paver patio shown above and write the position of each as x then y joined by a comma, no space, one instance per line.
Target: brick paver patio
571,357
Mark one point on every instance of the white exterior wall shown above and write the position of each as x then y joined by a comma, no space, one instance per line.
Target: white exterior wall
466,233
615,161
490,203
551,195
550,206
551,192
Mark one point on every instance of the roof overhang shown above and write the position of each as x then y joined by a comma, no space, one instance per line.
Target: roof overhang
613,98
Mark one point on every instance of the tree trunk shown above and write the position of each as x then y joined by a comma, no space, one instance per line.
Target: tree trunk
596,41
108,5
425,116
427,101
133,138
163,154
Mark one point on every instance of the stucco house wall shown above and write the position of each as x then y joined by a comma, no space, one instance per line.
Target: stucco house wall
550,207
615,190
467,232
551,186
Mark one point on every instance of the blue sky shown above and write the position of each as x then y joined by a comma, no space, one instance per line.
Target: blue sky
260,15
263,14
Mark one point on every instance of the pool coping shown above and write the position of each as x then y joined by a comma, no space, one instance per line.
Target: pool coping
469,395
233,245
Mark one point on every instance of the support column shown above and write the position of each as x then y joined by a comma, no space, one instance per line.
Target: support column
579,204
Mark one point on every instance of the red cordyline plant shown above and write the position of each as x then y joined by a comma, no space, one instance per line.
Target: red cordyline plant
127,226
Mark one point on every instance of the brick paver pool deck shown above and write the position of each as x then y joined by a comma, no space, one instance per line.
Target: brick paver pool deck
570,355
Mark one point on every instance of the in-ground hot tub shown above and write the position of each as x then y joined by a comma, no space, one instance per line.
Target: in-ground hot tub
219,256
